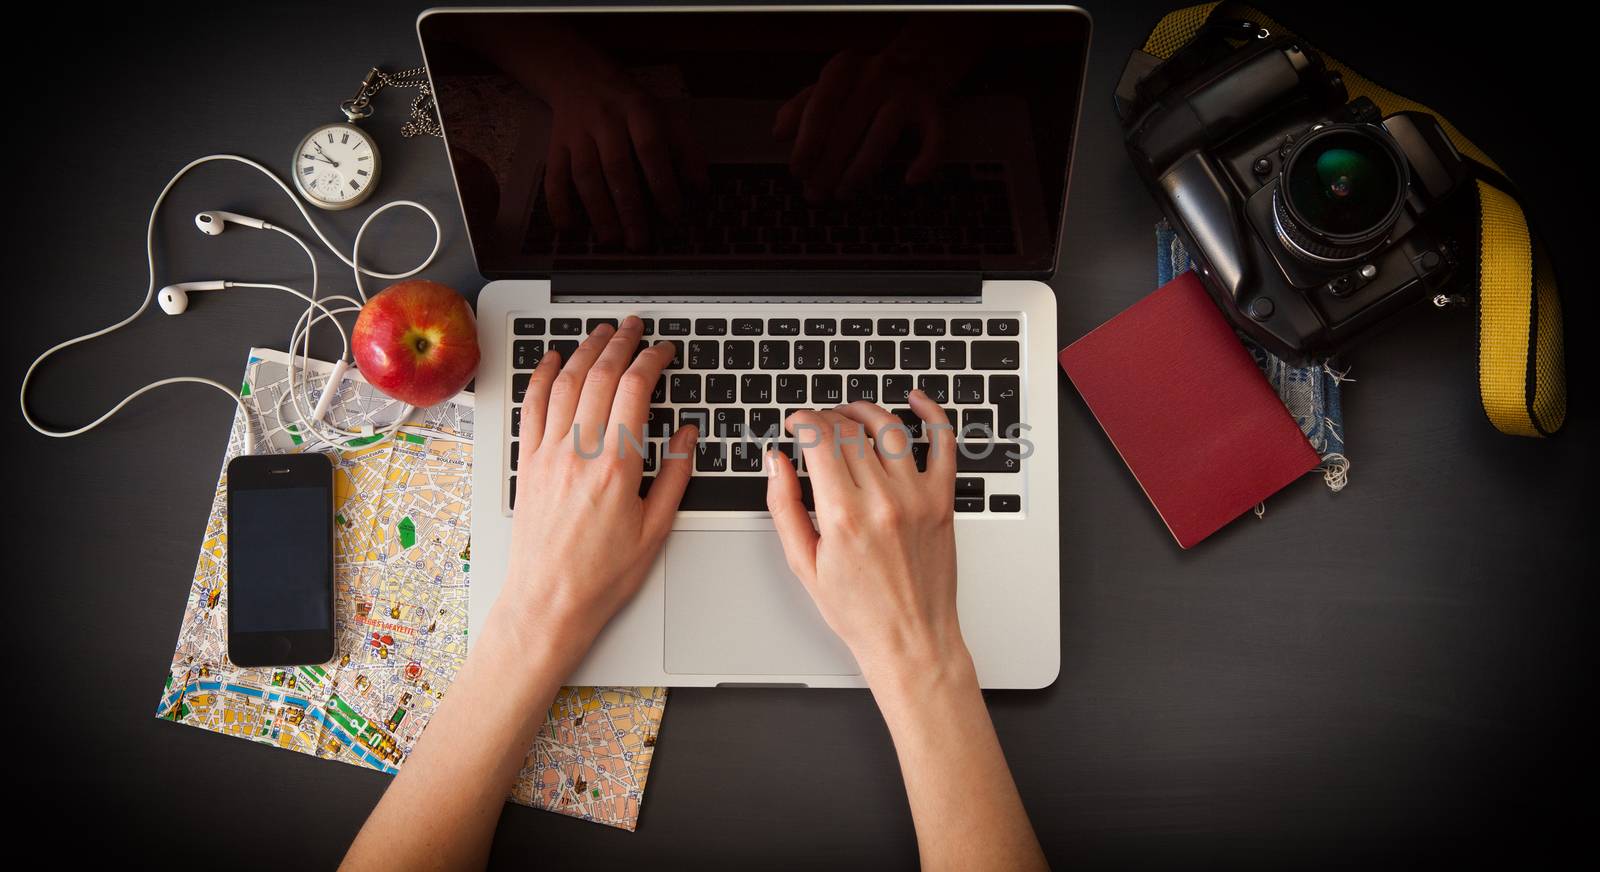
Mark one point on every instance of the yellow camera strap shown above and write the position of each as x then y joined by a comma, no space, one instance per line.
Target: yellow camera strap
1521,373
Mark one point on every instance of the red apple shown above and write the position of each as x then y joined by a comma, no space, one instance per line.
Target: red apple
417,341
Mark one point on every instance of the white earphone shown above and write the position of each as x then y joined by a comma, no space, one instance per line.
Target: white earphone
174,300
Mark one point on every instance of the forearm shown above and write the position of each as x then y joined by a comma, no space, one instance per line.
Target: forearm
441,810
963,800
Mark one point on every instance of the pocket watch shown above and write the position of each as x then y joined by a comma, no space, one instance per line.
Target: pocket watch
336,165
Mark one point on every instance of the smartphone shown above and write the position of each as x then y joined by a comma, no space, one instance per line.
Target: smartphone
280,559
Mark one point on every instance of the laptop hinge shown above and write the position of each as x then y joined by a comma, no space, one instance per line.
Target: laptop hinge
751,287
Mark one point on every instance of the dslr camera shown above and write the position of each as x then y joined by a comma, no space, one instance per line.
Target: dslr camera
1312,218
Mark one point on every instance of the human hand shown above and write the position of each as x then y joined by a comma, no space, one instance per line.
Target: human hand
582,539
881,560
845,125
598,128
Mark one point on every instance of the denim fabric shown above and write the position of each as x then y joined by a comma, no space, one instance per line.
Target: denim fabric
1311,393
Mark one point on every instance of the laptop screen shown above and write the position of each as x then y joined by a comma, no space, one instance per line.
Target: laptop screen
873,139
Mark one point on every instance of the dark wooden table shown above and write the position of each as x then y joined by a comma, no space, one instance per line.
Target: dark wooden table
1392,671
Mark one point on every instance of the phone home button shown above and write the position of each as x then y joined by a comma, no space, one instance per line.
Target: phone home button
281,646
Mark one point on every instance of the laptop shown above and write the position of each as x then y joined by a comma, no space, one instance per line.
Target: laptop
817,205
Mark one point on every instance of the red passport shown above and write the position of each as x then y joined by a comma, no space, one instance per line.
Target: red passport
1188,409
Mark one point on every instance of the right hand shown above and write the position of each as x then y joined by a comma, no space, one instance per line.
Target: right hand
881,560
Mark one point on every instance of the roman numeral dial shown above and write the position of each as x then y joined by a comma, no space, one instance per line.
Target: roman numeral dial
336,166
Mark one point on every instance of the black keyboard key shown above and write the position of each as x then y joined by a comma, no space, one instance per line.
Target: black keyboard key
827,390
528,326
911,421
881,354
525,353
739,354
894,327
677,353
596,322
857,327
765,424
1004,327
649,464
519,385
734,493
783,326
1005,391
861,387
988,457
968,389
514,454
930,326
710,326
937,387
897,388
950,355
709,457
658,394
969,487
773,354
565,348
674,326
790,389
978,424
844,354
996,355
744,457
755,389
699,417
728,423
1005,503
658,423
810,354
722,388
969,504
565,326
966,327
747,326
703,353
821,326
686,388
916,354
516,421
647,326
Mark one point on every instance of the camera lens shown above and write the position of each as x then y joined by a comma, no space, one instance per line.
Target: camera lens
1340,191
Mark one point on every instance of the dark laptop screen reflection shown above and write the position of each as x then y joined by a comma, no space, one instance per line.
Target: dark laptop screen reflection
770,140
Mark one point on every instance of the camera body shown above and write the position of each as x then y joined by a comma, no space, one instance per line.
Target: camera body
1312,218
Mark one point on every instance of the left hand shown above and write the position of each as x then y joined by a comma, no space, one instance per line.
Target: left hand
582,539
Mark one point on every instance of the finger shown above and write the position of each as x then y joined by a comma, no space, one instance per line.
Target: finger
616,158
568,386
650,144
930,127
828,98
890,434
880,139
830,477
787,123
536,403
661,503
795,530
600,383
558,187
632,405
589,177
941,437
865,468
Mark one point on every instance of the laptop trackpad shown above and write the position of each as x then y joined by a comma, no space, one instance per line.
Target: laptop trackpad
734,608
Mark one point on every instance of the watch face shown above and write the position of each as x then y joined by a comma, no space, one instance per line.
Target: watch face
336,166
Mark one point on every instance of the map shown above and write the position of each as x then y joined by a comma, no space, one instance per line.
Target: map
403,560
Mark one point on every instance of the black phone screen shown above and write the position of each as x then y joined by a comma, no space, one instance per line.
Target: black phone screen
280,560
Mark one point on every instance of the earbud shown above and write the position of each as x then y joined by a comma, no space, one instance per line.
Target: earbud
174,299
214,222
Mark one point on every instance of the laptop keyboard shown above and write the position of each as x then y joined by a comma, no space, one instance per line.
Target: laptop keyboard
739,378
759,209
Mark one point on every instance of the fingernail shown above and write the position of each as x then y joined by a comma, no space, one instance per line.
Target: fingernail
772,463
632,321
917,392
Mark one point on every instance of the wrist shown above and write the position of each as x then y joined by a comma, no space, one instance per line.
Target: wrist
533,642
902,685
